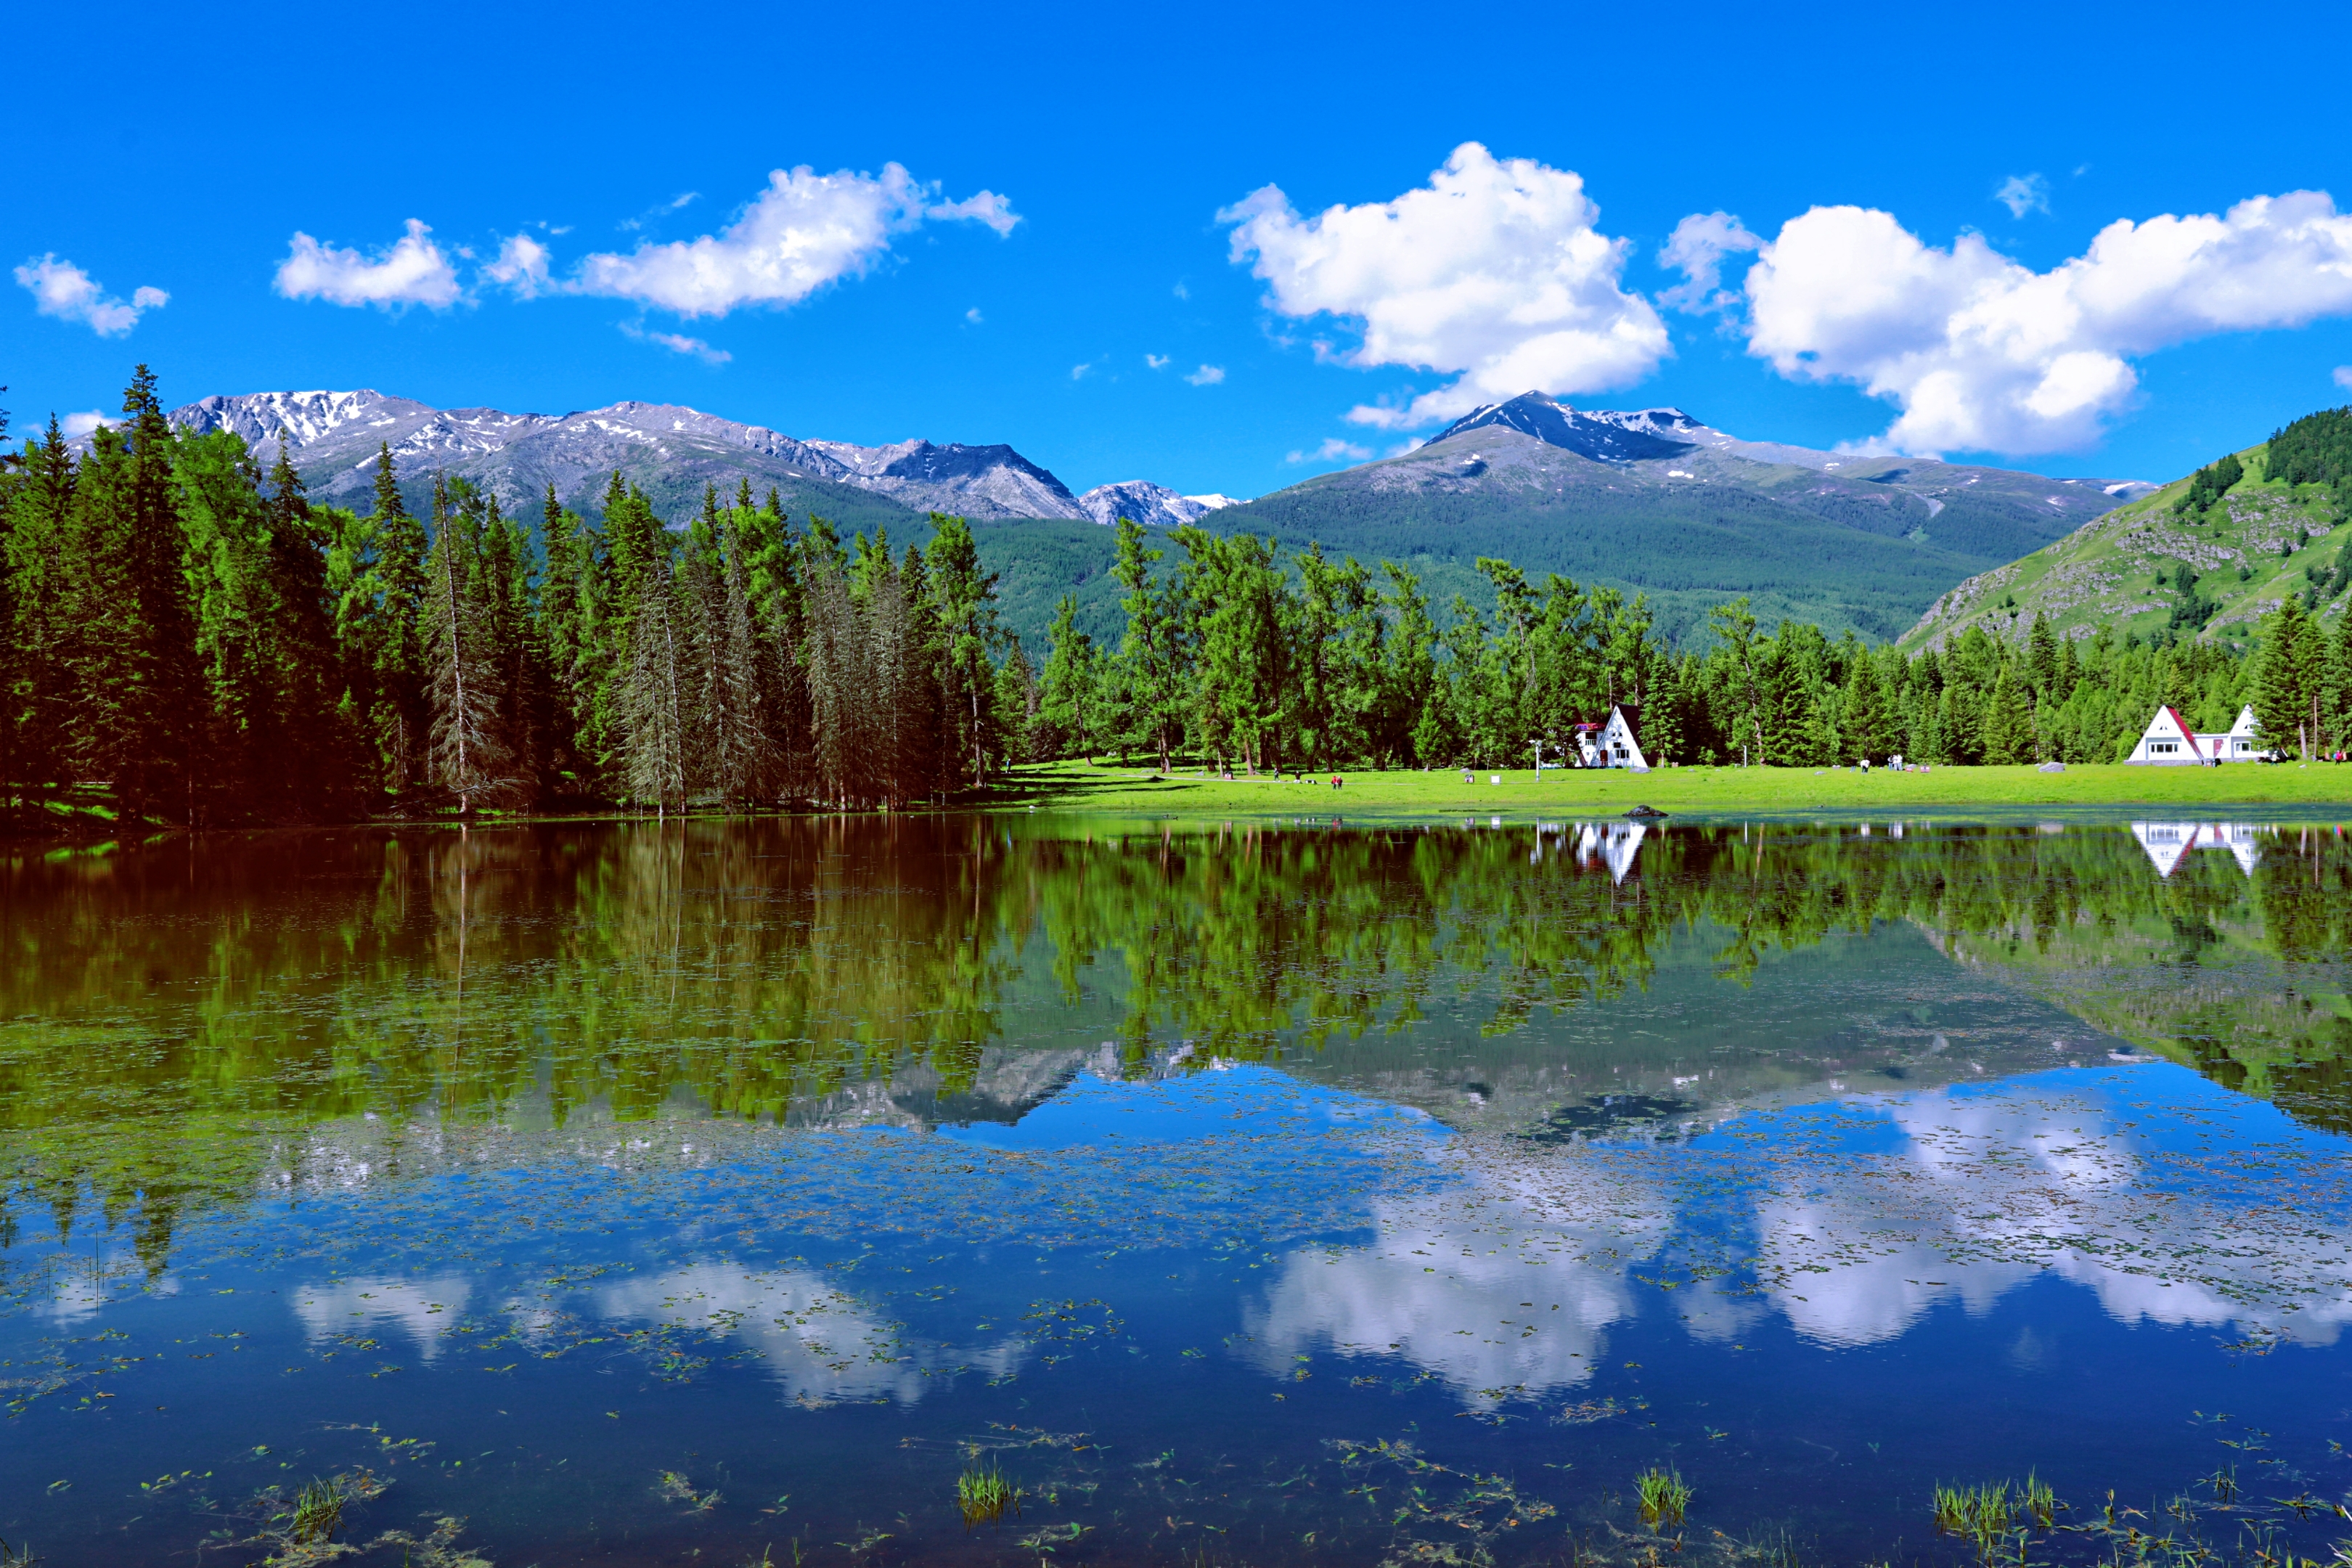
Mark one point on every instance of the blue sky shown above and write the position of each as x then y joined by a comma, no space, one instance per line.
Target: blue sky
1918,191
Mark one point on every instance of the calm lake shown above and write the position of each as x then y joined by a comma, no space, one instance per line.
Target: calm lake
726,1193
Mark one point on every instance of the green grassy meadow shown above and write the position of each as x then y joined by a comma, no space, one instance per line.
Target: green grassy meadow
1082,786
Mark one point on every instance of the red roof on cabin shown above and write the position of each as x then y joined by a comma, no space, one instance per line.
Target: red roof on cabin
2187,733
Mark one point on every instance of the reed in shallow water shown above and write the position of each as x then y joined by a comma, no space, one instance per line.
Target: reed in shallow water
982,1495
1664,1497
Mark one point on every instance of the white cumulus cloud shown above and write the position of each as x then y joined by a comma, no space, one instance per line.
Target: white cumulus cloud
805,231
77,425
1983,354
1494,269
2022,194
1207,375
413,271
2343,374
521,266
1157,361
1697,248
60,289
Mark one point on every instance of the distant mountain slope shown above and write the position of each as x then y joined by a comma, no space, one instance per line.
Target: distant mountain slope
1654,501
1153,505
2242,554
672,452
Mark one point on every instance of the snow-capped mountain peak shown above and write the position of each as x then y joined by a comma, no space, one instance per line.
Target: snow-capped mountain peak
1153,505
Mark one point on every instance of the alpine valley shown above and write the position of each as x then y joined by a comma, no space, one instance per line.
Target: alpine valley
1651,502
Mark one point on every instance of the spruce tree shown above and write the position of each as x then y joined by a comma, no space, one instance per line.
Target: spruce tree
657,693
148,705
1066,696
1871,728
2008,721
2290,680
1148,652
470,753
403,716
323,754
41,635
964,598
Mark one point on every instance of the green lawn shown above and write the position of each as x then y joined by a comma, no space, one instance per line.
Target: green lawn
1079,786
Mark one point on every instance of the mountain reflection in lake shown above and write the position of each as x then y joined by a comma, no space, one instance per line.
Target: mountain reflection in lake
645,1193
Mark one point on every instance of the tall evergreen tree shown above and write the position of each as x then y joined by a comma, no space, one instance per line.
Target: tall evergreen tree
470,752
403,717
1066,694
2289,681
964,598
657,694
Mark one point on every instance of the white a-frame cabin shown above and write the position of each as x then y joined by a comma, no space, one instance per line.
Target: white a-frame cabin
1619,743
2243,743
2169,741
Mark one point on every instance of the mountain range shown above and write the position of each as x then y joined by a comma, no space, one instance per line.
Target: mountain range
1653,501
1647,502
671,452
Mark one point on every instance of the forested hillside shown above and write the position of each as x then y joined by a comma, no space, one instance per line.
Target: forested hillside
2210,556
190,640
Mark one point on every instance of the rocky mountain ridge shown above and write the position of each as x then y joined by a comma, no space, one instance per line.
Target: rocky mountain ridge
335,437
1652,500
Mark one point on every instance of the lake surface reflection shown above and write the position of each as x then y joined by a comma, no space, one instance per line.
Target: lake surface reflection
664,1193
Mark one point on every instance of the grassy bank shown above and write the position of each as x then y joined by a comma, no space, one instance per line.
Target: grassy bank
1079,786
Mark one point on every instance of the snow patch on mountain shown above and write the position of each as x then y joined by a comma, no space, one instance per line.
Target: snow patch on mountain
1153,505
335,436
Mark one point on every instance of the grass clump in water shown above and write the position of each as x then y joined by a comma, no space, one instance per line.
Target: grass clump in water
1989,1515
16,1556
317,1511
982,1495
1664,1497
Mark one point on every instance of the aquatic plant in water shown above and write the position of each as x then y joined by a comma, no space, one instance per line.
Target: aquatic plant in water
982,1495
1986,1514
672,1487
16,1556
1664,1497
318,1512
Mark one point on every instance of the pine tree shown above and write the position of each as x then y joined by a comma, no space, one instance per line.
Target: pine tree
470,755
964,598
1066,695
403,717
2008,721
1735,629
657,693
2289,681
1147,653
141,709
567,603
1017,700
1866,725
324,753
40,633
2041,659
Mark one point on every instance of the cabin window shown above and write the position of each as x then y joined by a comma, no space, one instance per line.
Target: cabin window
2162,746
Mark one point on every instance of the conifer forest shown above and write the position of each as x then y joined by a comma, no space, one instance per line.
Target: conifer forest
189,632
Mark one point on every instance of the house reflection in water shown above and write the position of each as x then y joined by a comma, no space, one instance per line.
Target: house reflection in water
2168,843
1613,844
